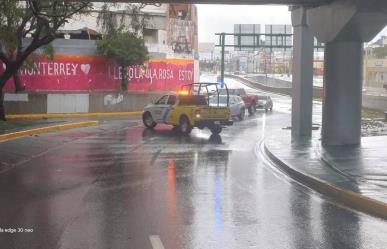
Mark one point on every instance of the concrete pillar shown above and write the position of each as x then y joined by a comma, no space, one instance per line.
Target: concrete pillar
302,83
341,124
343,25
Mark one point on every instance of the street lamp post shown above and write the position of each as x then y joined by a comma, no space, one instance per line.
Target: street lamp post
222,43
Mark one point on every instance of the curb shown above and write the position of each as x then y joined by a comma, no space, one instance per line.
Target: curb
52,128
348,198
71,115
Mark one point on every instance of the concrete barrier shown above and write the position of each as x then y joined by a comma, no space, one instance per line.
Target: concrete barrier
256,85
121,102
375,102
278,86
272,82
100,102
95,102
25,103
317,91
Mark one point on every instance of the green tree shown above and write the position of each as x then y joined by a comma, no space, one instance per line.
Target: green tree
126,49
123,25
40,19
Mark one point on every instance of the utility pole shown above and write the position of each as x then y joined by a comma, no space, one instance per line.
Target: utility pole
222,43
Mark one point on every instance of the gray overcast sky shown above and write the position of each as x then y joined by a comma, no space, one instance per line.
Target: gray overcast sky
221,18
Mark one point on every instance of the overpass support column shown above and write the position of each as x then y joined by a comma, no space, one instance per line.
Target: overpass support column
341,121
343,25
302,82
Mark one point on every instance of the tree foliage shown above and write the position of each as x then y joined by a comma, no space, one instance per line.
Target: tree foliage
39,19
123,25
126,49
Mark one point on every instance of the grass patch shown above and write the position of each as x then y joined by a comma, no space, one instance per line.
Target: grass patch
17,125
366,113
371,113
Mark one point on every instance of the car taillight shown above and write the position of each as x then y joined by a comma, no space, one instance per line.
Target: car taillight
197,114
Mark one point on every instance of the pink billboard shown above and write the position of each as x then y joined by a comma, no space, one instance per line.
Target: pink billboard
97,73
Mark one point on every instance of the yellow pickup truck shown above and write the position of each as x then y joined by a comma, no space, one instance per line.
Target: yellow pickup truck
188,109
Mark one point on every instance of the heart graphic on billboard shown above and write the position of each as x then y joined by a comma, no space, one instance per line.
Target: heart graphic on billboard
85,68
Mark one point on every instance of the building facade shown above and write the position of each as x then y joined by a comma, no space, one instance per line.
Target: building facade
375,73
170,34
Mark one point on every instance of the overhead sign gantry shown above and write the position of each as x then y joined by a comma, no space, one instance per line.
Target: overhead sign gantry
259,40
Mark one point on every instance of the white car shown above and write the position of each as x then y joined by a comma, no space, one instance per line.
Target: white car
236,104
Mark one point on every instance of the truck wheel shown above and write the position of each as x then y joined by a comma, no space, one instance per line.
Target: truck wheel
148,121
242,114
185,126
252,108
216,129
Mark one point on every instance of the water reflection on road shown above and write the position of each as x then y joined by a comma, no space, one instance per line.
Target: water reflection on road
120,184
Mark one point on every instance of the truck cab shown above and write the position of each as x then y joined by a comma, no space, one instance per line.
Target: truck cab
188,109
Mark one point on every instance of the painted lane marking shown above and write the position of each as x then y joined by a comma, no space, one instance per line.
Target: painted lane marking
156,242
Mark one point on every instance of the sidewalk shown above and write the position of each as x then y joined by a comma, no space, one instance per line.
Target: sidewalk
353,176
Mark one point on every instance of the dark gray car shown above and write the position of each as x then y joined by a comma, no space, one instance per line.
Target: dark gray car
265,102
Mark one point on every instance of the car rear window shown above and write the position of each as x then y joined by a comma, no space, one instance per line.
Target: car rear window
222,99
224,91
193,100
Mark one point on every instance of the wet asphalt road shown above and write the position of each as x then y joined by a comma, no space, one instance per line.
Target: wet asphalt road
122,186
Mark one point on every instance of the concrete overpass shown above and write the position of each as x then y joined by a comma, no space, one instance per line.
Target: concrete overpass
343,25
